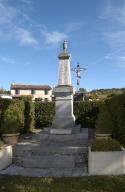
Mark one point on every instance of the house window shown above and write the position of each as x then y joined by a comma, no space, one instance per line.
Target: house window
33,91
17,91
46,92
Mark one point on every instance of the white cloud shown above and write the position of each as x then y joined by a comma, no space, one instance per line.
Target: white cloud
54,37
7,60
10,20
122,57
115,39
114,13
114,35
7,13
13,26
27,2
25,37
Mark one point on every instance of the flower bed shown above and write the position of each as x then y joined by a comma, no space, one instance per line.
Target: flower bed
106,158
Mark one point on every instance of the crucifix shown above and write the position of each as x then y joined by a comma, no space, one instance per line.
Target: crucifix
78,70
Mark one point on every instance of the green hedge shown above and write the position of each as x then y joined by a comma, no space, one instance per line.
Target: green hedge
44,113
29,114
111,117
104,123
1,144
12,116
26,105
117,110
86,113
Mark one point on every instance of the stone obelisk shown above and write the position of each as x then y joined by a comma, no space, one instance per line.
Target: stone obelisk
64,119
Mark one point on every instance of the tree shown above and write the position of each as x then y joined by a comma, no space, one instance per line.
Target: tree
82,90
3,91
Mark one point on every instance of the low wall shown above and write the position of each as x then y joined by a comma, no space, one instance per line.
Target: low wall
106,163
5,157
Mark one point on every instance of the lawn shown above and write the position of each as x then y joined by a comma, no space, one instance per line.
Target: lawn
75,184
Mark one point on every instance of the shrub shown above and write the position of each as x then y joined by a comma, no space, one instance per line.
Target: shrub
44,113
12,117
106,145
104,124
29,114
1,143
86,113
117,110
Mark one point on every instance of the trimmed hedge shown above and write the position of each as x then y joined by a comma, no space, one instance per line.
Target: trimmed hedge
104,123
28,110
12,116
86,113
29,114
44,113
117,110
111,118
1,144
105,145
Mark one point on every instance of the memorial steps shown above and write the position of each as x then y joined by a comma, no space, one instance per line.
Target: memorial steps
51,155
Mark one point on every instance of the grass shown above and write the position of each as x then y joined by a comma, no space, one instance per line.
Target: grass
66,184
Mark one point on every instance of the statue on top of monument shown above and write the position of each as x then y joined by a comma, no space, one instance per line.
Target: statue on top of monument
65,46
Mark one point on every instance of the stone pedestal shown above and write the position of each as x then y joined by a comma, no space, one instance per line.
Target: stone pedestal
64,117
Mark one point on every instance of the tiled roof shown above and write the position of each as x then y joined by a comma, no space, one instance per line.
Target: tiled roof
27,87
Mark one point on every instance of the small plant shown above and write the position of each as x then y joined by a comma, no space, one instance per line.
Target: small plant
106,145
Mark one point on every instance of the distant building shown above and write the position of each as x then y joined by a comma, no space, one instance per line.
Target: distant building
38,92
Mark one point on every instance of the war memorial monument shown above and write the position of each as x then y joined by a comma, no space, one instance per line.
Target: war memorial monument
59,150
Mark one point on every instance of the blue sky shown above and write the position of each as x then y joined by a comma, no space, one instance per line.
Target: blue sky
32,32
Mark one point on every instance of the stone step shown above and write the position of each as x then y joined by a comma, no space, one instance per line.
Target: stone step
42,135
80,139
51,161
78,154
22,150
80,142
45,151
76,142
53,172
79,158
55,161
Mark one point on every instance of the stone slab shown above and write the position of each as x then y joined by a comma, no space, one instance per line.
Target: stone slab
55,161
49,150
67,131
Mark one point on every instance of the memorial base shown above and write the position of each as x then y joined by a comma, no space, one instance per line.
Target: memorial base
61,131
